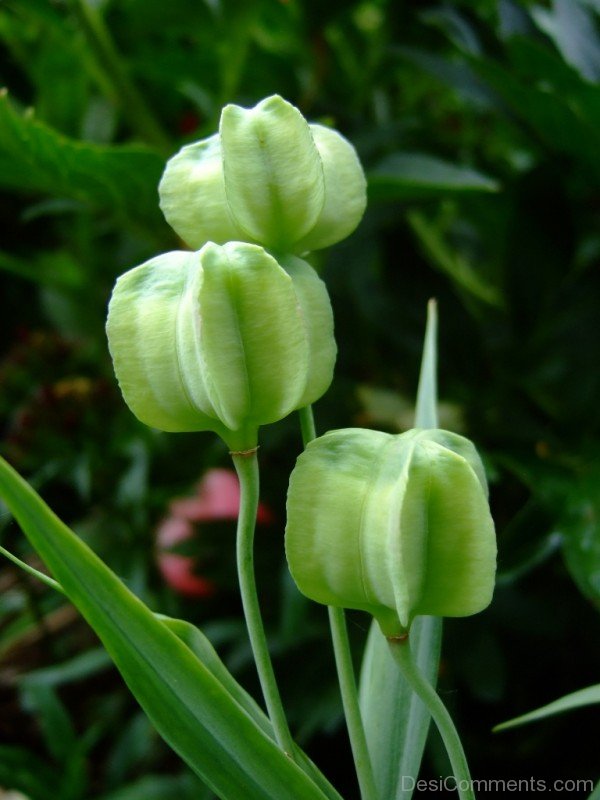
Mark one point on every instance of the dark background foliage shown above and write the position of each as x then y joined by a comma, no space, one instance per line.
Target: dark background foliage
477,123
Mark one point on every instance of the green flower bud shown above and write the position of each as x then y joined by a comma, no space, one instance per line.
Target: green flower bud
394,525
224,339
267,177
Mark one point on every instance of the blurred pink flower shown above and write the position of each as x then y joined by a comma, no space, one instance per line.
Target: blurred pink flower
217,498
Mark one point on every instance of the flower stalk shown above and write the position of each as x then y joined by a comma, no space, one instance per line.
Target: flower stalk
246,465
400,650
344,666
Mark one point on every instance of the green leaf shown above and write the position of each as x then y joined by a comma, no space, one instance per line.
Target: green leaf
414,176
397,731
25,772
572,28
48,268
583,697
565,122
426,407
161,787
121,179
188,706
55,723
60,737
578,527
443,257
201,646
80,667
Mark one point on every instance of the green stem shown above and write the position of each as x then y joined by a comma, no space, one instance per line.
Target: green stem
32,571
345,669
400,649
246,465
131,101
307,425
346,679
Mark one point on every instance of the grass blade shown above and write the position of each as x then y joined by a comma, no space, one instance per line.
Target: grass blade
186,703
583,697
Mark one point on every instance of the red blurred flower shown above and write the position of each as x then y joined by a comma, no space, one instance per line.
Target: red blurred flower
217,498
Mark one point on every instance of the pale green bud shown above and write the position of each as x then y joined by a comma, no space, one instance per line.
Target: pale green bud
394,525
224,339
267,177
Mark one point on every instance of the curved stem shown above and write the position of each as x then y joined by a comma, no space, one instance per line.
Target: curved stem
400,649
343,663
246,466
307,424
32,571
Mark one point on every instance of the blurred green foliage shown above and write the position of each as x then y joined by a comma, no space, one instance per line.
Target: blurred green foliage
478,125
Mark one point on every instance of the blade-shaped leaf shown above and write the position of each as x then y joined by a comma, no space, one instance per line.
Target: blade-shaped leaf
578,532
201,646
35,158
412,176
583,697
426,415
161,787
572,28
188,706
445,258
396,722
25,772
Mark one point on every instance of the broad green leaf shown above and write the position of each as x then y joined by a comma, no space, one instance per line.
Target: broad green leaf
120,179
583,697
412,176
188,706
396,722
595,795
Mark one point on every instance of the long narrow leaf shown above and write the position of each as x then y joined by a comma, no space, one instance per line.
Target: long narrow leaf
583,697
396,722
188,706
201,646
426,415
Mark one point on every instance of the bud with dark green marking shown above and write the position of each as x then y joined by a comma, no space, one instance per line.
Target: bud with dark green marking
394,525
267,177
223,339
